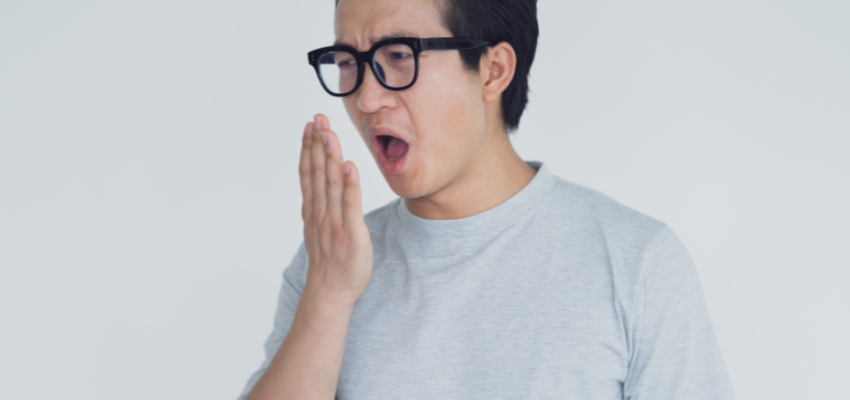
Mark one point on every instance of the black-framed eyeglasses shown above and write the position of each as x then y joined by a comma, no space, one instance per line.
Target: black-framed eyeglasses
395,62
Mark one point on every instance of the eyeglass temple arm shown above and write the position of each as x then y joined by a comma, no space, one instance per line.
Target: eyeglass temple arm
452,43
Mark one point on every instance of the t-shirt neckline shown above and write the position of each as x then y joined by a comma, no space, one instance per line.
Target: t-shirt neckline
500,215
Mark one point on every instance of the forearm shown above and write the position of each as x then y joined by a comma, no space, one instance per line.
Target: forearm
336,237
307,364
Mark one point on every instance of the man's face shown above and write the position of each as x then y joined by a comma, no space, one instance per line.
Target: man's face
441,118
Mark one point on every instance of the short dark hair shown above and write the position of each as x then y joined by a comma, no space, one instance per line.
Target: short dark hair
512,21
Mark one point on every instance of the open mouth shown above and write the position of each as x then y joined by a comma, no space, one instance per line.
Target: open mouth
392,152
394,148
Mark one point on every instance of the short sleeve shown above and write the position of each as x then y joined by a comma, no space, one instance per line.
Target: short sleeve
676,353
294,277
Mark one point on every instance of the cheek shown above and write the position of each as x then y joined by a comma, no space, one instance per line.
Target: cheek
444,107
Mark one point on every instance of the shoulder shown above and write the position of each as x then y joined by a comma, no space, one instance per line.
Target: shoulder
591,211
632,246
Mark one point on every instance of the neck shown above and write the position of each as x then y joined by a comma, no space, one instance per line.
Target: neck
495,175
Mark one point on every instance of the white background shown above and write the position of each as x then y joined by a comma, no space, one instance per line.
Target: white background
149,199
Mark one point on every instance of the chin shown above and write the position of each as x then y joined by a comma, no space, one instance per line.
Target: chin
406,188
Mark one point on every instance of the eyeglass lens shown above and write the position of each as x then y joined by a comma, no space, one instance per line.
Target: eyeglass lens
394,64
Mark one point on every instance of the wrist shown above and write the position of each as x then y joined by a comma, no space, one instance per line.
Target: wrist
326,298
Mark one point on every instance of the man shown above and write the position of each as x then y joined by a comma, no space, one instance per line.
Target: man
489,278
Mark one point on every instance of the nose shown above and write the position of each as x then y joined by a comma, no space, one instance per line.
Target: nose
371,96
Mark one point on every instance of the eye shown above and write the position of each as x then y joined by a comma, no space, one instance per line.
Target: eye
345,63
396,56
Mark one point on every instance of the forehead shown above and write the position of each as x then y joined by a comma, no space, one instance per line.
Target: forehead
360,23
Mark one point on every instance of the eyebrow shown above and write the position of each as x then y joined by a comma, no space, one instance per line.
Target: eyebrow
372,41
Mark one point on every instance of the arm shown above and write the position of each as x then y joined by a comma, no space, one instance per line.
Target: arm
339,254
307,364
676,354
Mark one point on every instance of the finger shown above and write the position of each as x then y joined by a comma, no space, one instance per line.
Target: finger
352,209
322,121
317,171
335,175
305,173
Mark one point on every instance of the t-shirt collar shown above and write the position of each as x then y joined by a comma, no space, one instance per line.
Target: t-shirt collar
500,215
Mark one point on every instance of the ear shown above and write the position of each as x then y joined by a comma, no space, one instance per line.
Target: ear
497,70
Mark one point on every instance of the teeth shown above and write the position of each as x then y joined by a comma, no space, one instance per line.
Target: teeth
392,159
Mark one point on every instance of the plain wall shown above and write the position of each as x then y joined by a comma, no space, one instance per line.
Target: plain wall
149,197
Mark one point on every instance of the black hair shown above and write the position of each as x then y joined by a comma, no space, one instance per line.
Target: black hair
512,21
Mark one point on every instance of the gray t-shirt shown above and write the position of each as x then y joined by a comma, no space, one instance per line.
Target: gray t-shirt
557,293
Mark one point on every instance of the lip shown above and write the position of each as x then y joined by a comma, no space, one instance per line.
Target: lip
388,166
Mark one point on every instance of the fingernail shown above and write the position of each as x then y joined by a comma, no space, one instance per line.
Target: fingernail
317,122
324,137
309,131
347,168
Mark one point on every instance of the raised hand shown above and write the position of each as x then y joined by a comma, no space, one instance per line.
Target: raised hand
336,236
